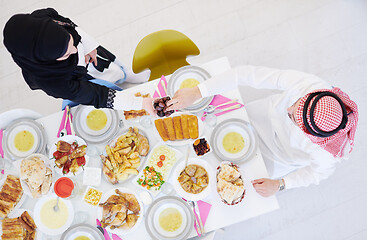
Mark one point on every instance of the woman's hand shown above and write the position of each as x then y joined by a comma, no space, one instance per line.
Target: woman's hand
183,98
148,106
91,57
266,187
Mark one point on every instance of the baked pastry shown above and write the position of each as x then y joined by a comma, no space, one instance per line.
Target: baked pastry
135,113
177,128
185,126
168,126
161,130
36,175
193,127
230,185
12,229
10,194
27,222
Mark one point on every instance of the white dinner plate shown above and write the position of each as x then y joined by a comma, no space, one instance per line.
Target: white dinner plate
45,229
69,139
21,201
82,230
182,142
152,225
246,182
24,124
181,75
142,158
111,192
16,214
190,196
47,164
165,176
95,137
239,126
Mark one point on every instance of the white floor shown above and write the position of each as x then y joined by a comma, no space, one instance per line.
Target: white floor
324,37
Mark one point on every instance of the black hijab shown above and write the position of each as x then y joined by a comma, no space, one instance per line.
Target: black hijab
36,40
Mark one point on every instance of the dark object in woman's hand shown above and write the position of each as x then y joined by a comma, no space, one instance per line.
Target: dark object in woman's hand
160,106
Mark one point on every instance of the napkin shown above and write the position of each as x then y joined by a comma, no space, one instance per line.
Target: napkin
1,143
106,235
204,209
161,87
68,124
219,99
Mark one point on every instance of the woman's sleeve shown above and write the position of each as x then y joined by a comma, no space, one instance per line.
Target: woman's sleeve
125,101
258,77
88,42
82,92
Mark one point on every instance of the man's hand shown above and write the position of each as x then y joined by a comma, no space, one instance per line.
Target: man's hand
183,98
266,187
91,57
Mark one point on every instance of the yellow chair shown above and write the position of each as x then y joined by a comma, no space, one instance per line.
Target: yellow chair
163,52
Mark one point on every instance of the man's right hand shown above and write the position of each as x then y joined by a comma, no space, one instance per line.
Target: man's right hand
183,98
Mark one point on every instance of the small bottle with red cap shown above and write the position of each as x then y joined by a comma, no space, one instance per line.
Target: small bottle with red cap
64,187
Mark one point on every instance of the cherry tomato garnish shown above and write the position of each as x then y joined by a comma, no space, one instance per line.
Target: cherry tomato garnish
160,164
162,157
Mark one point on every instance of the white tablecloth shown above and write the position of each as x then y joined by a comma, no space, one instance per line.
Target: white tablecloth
220,215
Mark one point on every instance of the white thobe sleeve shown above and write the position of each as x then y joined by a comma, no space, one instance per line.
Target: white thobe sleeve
258,77
322,165
87,41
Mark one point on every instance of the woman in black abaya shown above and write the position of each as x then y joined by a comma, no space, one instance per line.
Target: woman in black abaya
62,60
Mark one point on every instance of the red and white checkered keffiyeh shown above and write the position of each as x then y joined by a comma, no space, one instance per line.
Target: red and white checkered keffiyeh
328,116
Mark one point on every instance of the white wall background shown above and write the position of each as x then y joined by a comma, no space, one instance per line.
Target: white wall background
324,37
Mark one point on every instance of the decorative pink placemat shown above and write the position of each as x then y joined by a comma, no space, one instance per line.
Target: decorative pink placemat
105,234
62,124
219,99
204,209
162,87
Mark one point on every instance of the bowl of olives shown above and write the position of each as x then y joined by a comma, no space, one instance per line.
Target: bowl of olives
160,107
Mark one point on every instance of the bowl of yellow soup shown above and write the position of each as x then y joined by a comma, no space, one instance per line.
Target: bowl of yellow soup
53,222
234,140
169,218
96,126
82,232
95,121
22,138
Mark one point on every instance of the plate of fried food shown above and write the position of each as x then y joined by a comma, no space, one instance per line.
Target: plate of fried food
194,180
179,129
69,155
19,225
230,183
120,211
124,155
35,174
11,195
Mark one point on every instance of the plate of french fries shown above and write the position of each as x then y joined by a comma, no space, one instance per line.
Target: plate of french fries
124,155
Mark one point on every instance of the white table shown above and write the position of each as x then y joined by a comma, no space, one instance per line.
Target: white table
220,215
